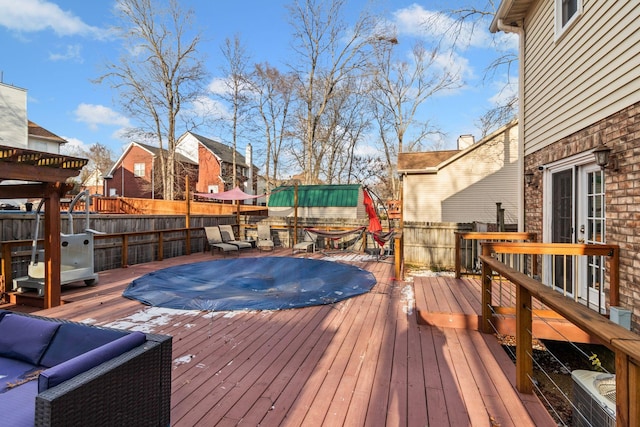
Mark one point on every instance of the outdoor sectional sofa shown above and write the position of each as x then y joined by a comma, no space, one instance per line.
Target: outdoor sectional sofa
59,373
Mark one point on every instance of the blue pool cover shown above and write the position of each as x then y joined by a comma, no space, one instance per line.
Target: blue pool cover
264,283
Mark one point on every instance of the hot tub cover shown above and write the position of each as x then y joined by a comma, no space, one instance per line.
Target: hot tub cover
260,283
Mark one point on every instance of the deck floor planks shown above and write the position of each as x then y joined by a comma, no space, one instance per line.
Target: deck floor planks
498,409
260,399
436,406
321,386
479,414
456,407
357,411
356,356
223,371
406,375
251,379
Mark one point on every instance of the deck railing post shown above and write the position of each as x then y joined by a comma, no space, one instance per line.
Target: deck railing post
487,273
6,264
458,256
614,277
524,343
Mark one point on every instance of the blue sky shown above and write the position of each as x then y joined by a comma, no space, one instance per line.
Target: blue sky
54,48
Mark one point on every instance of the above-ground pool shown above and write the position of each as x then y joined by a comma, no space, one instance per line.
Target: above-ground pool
264,283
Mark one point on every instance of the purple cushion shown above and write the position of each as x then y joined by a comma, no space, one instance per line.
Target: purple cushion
72,340
69,369
18,405
25,338
12,370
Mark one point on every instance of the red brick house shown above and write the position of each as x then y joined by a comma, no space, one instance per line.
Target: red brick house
136,173
215,164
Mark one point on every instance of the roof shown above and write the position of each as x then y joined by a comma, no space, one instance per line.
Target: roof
511,12
34,166
224,152
317,196
154,151
423,160
39,131
431,161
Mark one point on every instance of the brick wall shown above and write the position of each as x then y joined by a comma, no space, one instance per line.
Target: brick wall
621,132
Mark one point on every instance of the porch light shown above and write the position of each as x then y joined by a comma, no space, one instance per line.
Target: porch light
528,178
602,153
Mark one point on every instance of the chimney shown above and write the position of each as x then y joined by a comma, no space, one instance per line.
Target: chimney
465,141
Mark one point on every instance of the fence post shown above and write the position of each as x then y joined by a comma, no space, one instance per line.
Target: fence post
487,274
524,344
125,251
160,246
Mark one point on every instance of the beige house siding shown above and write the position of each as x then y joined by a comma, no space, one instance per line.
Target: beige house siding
586,75
467,187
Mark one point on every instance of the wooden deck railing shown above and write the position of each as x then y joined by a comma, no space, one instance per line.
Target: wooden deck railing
467,247
624,343
123,241
557,258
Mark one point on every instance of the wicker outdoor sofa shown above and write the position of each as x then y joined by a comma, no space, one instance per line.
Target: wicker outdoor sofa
120,378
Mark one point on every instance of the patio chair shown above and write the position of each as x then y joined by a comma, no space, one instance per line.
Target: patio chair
215,240
264,242
309,241
226,231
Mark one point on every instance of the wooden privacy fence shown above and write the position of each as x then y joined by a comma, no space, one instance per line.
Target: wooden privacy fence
624,343
114,250
136,206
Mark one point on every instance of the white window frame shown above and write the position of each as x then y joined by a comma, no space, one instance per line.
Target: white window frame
561,29
138,168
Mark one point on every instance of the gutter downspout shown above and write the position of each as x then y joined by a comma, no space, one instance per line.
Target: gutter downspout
520,32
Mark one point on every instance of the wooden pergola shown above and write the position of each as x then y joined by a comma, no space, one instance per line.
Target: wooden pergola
45,175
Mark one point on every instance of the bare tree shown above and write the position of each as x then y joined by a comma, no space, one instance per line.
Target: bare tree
275,95
400,87
238,93
328,51
457,27
160,73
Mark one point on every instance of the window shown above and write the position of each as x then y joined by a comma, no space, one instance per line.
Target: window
138,169
567,11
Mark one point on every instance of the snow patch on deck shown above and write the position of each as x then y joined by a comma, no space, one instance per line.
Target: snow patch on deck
409,300
148,319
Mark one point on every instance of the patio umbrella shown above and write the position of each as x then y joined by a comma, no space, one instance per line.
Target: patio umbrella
236,195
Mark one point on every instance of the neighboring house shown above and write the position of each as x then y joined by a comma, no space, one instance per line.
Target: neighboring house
137,173
318,201
215,165
94,183
463,185
579,89
17,131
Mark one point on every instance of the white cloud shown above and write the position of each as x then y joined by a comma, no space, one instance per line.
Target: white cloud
27,16
418,22
72,53
73,147
95,115
218,86
505,89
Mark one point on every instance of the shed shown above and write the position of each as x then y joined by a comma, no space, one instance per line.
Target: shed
319,201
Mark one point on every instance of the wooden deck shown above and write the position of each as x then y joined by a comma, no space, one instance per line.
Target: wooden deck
456,303
364,361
